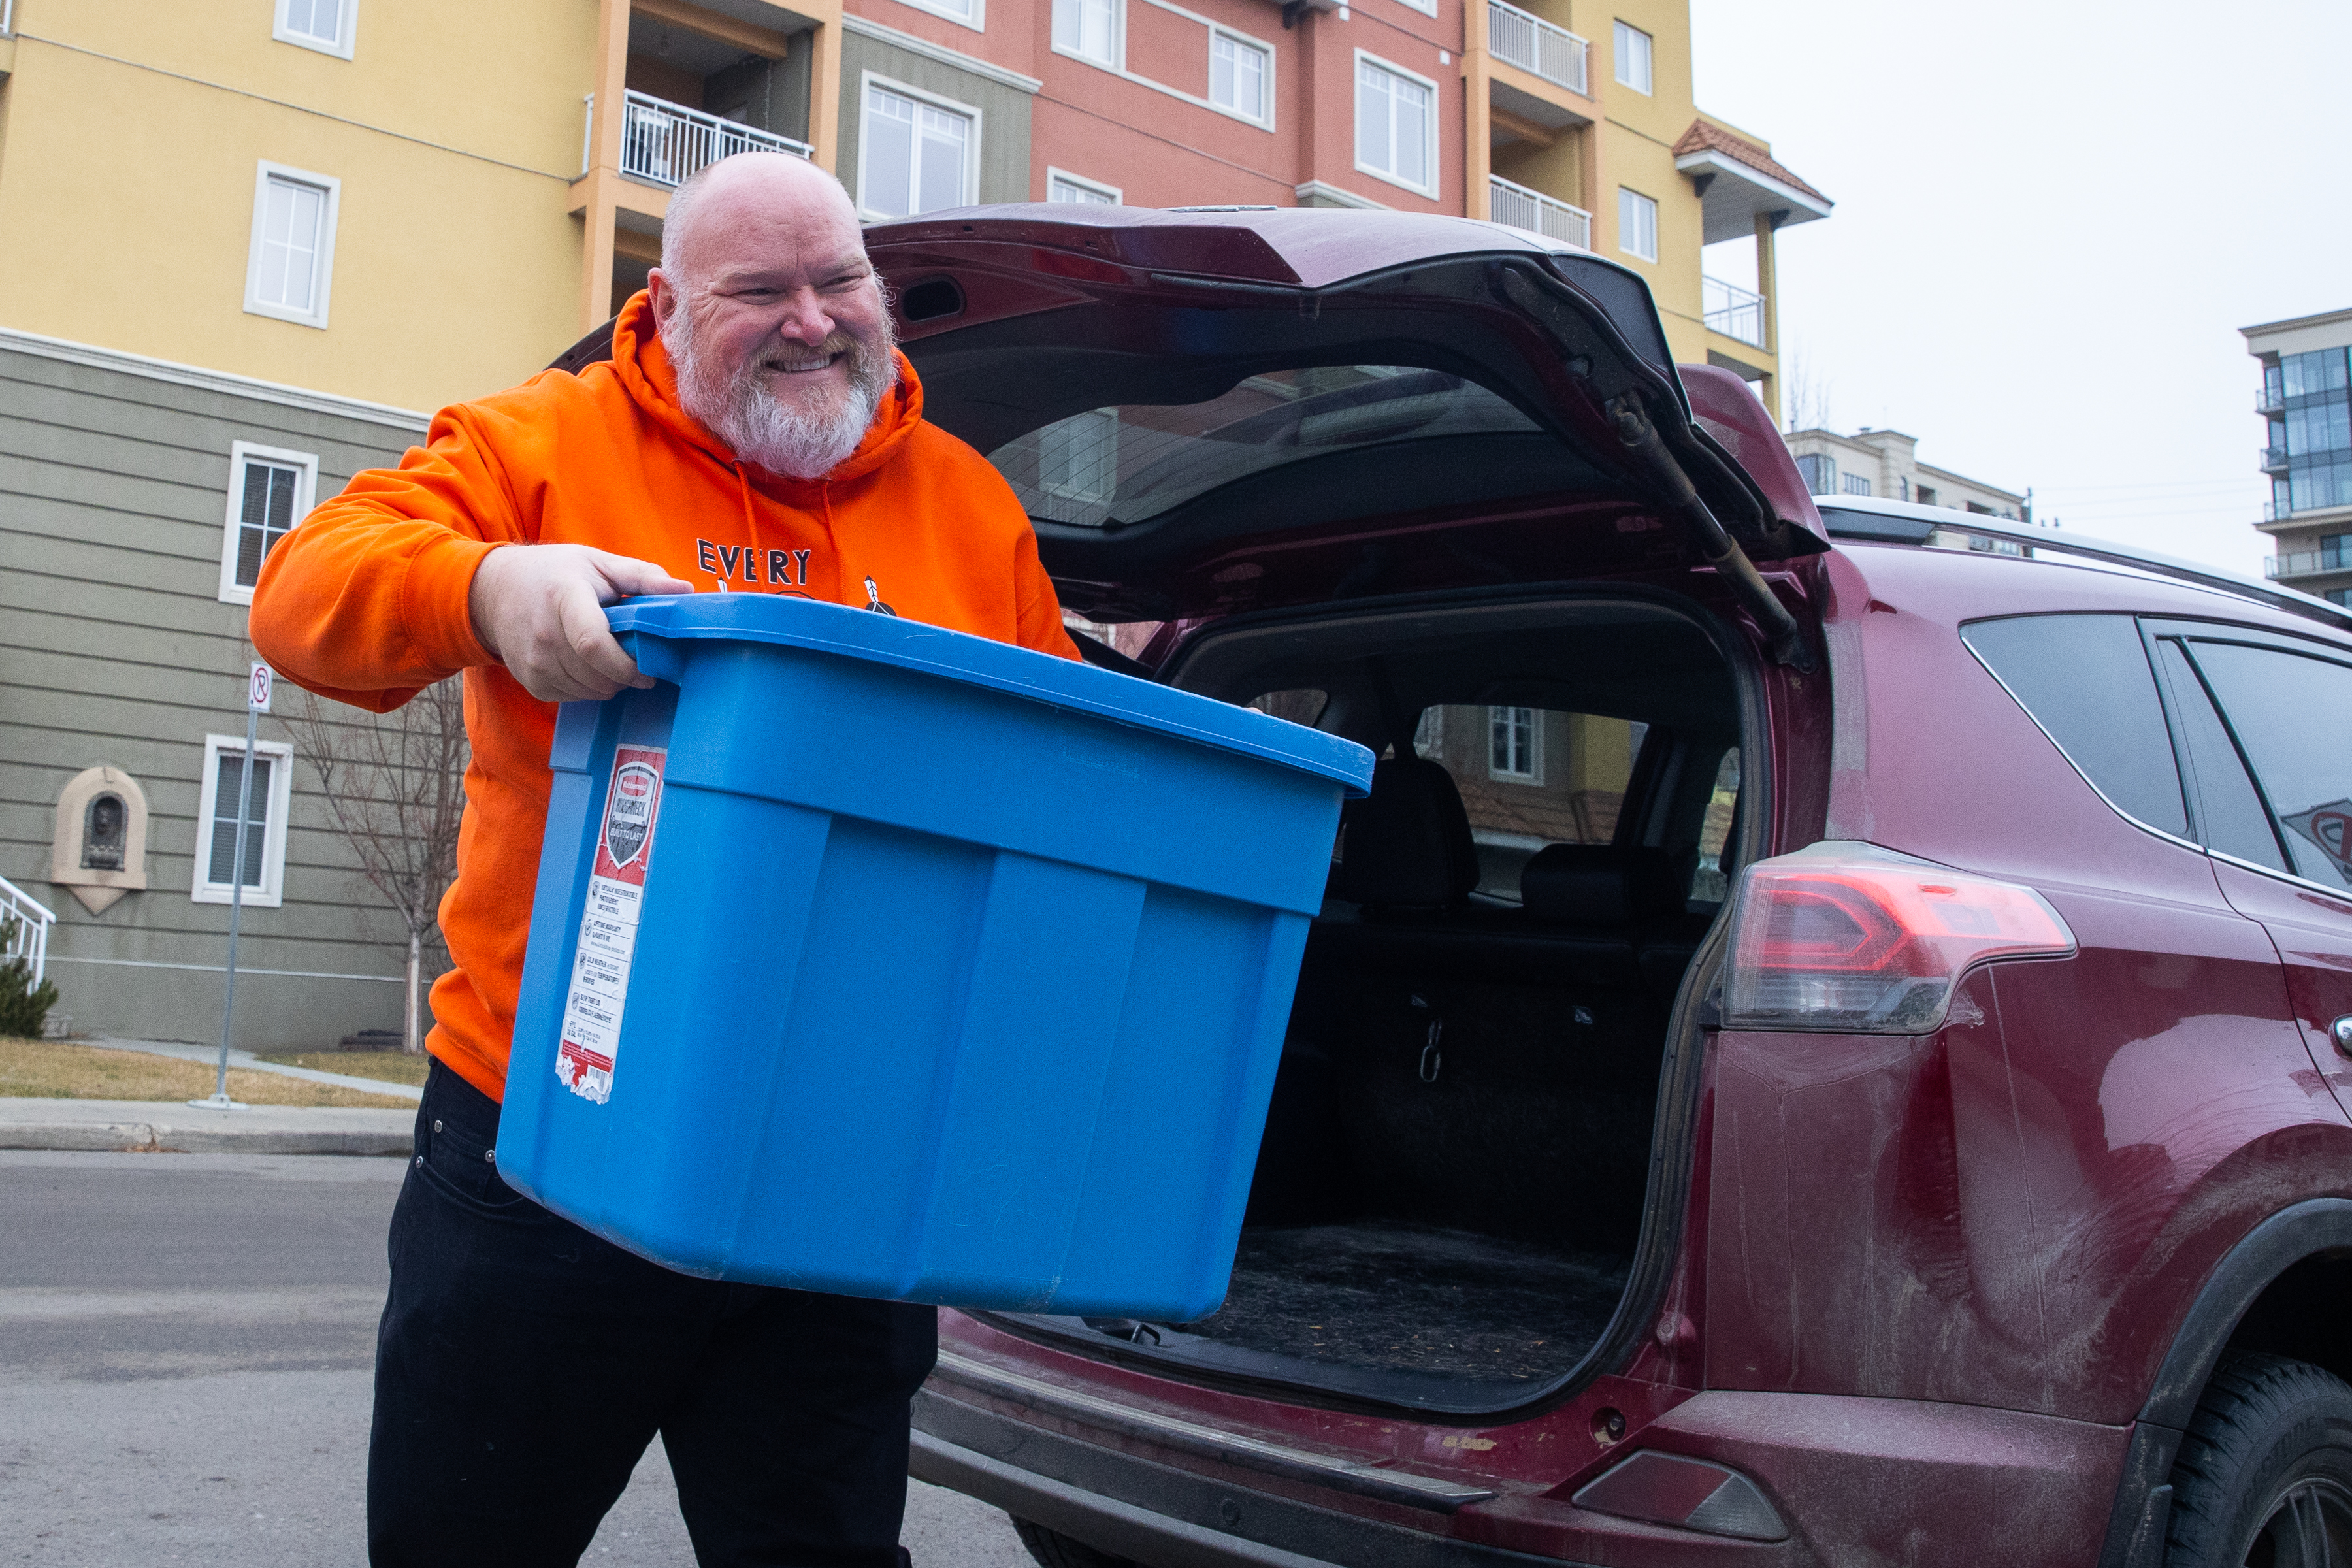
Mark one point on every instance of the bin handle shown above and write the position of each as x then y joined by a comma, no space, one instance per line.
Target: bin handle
657,657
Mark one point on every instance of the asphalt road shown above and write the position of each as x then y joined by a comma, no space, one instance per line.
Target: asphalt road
185,1346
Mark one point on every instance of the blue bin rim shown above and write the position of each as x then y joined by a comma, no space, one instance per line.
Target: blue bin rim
913,644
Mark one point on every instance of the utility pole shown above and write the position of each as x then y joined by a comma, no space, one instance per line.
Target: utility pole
257,703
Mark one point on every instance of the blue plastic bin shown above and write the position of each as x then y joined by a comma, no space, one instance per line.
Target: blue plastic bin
915,965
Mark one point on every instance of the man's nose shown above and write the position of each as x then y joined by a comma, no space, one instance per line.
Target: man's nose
805,319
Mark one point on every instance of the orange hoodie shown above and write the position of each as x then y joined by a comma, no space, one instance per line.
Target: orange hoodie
365,602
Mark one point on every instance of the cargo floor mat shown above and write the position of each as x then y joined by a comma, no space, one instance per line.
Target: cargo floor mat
1391,1294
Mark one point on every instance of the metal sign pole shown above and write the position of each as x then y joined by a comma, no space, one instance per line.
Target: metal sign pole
256,702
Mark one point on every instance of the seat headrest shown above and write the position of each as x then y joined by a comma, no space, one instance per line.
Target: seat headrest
1408,843
1598,885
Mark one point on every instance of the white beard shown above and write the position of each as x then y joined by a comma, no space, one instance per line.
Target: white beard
736,405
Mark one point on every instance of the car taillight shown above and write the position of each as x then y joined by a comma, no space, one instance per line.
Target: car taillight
1850,937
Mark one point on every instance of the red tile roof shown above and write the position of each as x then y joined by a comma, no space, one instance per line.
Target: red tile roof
1703,137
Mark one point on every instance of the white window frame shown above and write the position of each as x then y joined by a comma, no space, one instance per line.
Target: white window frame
1429,9
332,189
1118,61
1624,240
271,893
1055,176
281,30
1619,62
1106,493
306,496
977,21
870,79
1266,75
1535,774
1355,126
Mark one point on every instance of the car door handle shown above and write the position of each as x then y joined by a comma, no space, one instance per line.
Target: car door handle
2340,1032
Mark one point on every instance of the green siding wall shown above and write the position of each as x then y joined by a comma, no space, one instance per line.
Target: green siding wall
113,495
1004,112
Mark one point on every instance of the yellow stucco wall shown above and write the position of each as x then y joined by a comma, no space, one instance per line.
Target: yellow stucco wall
454,130
1638,135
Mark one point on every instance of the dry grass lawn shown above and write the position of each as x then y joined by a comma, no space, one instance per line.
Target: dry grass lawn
394,1067
48,1070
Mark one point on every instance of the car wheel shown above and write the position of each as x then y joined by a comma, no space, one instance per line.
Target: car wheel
1052,1549
2264,1475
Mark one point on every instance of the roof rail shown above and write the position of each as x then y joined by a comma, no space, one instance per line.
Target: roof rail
1893,523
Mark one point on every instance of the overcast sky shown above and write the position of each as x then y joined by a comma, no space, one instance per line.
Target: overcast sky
2052,220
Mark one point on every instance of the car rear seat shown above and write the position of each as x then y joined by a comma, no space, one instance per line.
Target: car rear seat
1628,892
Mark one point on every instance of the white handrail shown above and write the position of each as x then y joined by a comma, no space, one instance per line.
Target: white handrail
667,143
1552,52
1521,208
1734,312
30,940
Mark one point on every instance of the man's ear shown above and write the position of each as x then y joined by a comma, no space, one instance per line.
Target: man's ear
664,298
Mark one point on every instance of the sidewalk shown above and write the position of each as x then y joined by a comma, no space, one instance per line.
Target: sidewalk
156,1126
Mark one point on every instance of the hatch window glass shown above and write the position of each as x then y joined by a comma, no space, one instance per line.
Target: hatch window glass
2230,815
1529,777
1133,462
1711,878
2085,679
2290,713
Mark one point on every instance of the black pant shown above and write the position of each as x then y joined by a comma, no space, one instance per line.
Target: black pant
523,1365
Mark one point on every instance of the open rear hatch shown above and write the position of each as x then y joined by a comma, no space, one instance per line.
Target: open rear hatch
1287,424
1213,412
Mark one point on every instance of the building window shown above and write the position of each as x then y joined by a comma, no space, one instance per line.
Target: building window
915,155
1089,29
269,491
1515,744
1077,457
1396,125
1819,471
326,26
1429,734
1237,73
972,13
2339,597
265,822
1855,485
1633,58
1637,224
1924,496
1063,187
291,260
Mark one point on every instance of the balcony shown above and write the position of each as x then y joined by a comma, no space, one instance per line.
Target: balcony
1536,213
2330,556
1734,312
1537,48
2270,400
664,142
2272,459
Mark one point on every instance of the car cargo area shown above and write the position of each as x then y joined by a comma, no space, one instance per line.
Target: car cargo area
1449,1195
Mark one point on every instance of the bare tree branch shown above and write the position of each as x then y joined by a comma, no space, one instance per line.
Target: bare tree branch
396,783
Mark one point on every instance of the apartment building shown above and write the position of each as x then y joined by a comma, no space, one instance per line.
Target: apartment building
247,245
1885,463
2306,402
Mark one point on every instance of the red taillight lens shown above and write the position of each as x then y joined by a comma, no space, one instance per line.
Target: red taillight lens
1854,938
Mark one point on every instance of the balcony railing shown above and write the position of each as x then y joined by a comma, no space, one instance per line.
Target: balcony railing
2273,460
2303,563
667,143
2270,400
28,938
1536,212
1734,312
1535,45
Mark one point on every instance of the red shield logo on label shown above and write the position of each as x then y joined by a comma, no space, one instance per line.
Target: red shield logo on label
631,805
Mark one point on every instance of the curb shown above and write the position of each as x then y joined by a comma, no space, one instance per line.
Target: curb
151,1137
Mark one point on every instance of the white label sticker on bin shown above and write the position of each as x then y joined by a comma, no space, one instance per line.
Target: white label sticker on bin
608,924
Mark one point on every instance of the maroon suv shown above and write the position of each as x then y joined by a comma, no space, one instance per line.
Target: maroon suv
1822,1045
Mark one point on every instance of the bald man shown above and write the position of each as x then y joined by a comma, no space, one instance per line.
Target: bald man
755,431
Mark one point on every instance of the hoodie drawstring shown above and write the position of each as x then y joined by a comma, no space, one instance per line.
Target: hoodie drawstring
751,517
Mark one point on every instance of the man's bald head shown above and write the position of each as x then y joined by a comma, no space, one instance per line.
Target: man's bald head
751,191
772,316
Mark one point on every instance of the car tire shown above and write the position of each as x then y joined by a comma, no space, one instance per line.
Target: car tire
2264,1474
1052,1549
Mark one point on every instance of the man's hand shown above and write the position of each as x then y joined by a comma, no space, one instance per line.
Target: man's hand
538,609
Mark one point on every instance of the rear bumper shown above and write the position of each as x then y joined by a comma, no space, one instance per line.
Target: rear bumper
1157,1515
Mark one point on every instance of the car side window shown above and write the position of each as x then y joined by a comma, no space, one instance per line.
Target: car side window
2229,815
2291,712
2086,681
